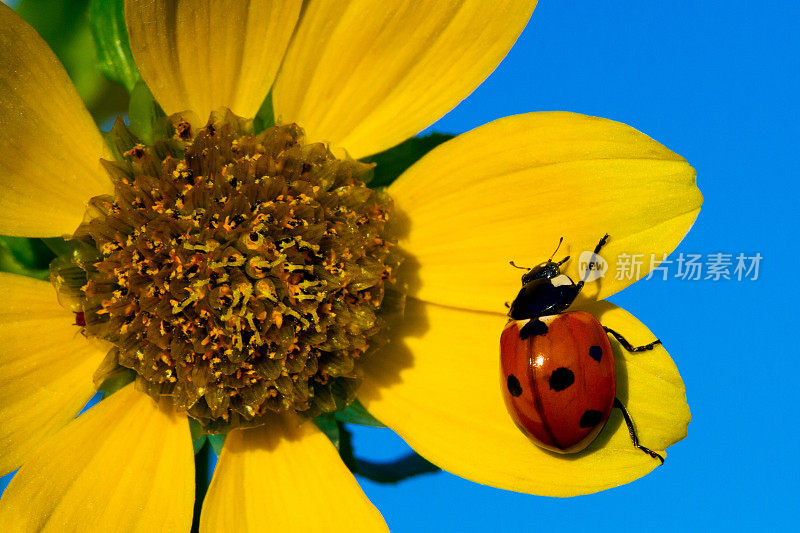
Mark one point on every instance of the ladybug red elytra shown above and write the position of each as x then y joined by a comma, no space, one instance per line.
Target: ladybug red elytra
558,373
80,319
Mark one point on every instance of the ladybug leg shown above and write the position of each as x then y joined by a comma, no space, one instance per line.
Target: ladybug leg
628,346
632,431
600,244
597,249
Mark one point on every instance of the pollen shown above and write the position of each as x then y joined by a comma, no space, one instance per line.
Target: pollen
236,273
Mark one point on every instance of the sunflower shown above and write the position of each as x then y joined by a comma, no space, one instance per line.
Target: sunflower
251,281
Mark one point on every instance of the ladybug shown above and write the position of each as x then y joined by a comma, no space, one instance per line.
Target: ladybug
80,319
558,374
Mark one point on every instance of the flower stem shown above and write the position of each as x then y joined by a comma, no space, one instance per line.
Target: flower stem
405,467
202,478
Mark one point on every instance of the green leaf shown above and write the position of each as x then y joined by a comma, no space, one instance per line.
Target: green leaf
355,413
21,248
26,257
61,23
394,161
327,423
265,118
9,264
64,25
147,120
114,57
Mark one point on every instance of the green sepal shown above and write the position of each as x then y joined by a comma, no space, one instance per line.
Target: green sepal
26,257
327,423
355,413
59,247
197,444
217,442
394,161
114,57
265,118
116,380
199,436
120,139
146,118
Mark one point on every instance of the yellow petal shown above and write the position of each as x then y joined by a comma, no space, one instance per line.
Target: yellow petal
508,190
438,386
285,476
46,367
366,75
124,465
200,55
50,150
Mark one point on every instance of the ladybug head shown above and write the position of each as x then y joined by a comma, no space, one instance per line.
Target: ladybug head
547,270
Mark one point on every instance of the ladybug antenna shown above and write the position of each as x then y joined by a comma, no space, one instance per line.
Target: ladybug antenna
560,240
562,261
519,267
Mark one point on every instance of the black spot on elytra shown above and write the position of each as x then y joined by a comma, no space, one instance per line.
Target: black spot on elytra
596,353
513,385
561,378
591,418
532,328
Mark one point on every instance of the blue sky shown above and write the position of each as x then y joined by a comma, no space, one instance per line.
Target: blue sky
715,82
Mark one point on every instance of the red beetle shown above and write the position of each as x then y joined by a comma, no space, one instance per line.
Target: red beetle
558,374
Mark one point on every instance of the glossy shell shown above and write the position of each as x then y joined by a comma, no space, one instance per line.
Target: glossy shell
559,384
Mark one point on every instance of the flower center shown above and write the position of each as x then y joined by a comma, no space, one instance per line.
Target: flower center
238,273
